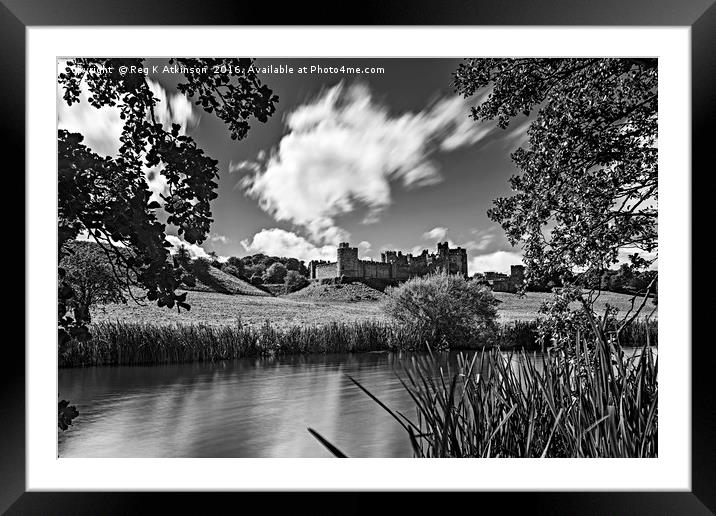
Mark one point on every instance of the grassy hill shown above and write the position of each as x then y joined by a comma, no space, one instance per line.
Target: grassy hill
215,280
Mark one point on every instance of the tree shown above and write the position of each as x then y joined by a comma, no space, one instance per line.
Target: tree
182,258
452,310
109,199
293,264
587,183
294,281
231,270
200,267
276,273
90,277
251,270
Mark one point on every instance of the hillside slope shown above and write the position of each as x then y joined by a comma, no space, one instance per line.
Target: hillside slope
352,291
215,280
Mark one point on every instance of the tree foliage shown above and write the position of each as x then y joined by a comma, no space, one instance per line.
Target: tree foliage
276,273
108,198
90,276
587,182
294,281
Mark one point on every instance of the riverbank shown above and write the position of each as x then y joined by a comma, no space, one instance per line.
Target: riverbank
141,343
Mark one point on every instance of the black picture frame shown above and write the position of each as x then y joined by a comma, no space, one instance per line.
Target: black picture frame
699,15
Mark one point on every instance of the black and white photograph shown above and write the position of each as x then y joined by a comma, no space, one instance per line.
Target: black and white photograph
357,257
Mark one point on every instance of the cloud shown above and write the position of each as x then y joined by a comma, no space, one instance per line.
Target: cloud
85,236
343,151
102,127
279,242
517,136
216,238
623,256
436,234
499,261
486,241
195,251
364,250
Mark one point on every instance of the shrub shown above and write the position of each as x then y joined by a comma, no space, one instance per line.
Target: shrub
231,270
294,281
200,266
276,273
452,311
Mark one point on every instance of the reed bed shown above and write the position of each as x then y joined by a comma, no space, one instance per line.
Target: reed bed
510,405
121,343
126,343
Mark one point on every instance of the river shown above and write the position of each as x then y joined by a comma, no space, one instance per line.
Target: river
258,407
252,407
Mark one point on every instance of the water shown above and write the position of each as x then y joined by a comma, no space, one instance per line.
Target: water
239,408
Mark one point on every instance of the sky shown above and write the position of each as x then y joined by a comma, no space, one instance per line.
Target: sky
387,160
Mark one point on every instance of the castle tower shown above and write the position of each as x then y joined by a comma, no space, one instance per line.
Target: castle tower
517,274
443,249
347,263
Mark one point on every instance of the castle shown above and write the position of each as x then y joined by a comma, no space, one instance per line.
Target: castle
394,265
500,282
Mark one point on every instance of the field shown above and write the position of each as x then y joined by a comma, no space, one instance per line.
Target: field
216,309
525,308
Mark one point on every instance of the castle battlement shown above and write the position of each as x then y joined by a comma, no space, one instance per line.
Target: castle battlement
394,265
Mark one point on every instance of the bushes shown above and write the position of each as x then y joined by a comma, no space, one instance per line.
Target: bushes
451,311
231,270
276,273
294,281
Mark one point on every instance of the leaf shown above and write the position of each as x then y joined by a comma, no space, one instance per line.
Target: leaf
65,414
335,451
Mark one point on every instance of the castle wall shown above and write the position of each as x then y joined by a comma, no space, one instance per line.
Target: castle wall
395,266
377,270
400,271
324,270
503,285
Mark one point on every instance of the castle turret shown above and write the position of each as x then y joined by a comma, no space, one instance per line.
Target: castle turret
443,249
348,264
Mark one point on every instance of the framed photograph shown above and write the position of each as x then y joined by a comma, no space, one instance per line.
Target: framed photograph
427,242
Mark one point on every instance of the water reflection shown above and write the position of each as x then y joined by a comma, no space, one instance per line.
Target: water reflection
241,408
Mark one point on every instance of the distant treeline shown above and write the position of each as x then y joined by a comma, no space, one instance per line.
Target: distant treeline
257,269
624,280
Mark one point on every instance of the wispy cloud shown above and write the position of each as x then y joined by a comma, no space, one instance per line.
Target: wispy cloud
279,242
221,239
499,261
436,234
195,251
102,127
344,151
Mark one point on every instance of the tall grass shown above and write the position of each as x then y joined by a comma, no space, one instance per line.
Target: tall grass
498,405
123,343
